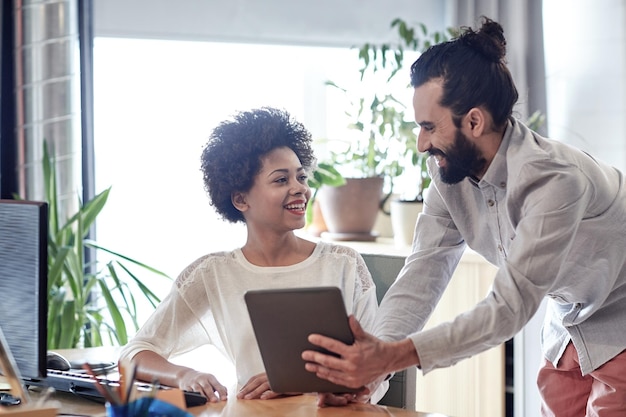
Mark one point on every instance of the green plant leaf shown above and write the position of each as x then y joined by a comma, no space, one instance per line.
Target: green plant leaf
55,269
74,317
116,315
87,214
93,244
67,337
326,174
56,301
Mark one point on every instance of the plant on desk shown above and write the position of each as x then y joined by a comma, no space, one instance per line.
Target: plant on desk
88,304
386,144
379,148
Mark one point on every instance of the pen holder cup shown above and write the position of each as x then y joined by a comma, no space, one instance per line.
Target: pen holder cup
145,407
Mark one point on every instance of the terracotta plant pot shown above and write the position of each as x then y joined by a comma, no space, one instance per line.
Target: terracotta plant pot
350,210
318,225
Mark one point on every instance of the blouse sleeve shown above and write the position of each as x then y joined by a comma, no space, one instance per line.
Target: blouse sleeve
174,327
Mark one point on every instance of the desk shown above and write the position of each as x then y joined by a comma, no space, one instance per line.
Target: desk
297,406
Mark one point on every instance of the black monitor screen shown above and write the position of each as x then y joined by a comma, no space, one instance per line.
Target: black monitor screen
24,283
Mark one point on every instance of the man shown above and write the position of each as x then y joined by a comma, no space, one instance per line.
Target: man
552,218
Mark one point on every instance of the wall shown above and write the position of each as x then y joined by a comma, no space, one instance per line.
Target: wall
586,73
320,22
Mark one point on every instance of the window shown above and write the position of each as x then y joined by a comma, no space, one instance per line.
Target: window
156,102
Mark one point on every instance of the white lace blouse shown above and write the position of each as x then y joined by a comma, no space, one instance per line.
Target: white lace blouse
206,304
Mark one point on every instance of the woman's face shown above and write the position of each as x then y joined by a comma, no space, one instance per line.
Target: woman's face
279,194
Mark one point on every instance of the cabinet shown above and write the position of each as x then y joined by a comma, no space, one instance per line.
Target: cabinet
474,387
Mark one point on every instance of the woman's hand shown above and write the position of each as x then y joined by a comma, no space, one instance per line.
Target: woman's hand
203,383
258,387
362,396
327,399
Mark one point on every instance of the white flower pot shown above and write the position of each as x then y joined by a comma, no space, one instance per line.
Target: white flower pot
403,218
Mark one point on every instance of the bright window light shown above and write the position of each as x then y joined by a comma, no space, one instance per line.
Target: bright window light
156,103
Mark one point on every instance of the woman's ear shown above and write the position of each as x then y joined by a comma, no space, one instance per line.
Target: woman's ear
239,201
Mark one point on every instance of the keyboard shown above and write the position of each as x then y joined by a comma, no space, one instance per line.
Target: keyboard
83,385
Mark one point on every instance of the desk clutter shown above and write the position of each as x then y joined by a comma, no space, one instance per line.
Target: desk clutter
145,407
123,395
13,406
82,384
16,402
127,398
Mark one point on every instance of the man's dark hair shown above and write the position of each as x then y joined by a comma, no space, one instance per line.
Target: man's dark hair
474,72
232,156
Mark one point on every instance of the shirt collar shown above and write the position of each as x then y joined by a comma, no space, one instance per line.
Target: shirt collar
496,174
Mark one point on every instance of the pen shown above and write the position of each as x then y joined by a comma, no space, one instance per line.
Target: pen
127,380
45,396
104,389
123,372
155,388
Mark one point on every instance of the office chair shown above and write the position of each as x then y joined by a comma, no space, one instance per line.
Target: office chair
402,386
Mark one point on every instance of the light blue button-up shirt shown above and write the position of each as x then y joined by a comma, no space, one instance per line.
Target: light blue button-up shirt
553,220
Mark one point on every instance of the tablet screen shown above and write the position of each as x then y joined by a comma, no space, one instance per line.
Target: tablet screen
282,320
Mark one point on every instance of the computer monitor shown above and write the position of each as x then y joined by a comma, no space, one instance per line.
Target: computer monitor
24,283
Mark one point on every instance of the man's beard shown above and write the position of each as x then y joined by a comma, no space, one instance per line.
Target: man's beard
463,159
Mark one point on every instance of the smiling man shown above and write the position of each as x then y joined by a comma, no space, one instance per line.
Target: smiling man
550,217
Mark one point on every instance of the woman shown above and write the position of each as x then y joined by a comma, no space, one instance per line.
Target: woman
255,171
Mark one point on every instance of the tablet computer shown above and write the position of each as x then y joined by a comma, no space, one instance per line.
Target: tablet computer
283,319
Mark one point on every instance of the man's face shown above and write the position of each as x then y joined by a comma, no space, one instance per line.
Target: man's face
456,155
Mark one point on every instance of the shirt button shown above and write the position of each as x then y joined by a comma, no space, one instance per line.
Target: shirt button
490,203
503,184
500,248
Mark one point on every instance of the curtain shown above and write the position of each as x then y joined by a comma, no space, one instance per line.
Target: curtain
523,29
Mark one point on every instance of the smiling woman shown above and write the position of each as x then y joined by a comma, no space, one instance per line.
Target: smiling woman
254,169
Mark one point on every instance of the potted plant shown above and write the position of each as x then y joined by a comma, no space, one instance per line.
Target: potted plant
88,304
323,174
385,146
404,209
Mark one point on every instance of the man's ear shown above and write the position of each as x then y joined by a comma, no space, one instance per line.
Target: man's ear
476,121
239,201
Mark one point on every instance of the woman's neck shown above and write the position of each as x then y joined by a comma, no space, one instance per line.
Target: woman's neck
285,250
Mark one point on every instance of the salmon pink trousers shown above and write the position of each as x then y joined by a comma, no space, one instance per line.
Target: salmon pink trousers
567,393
